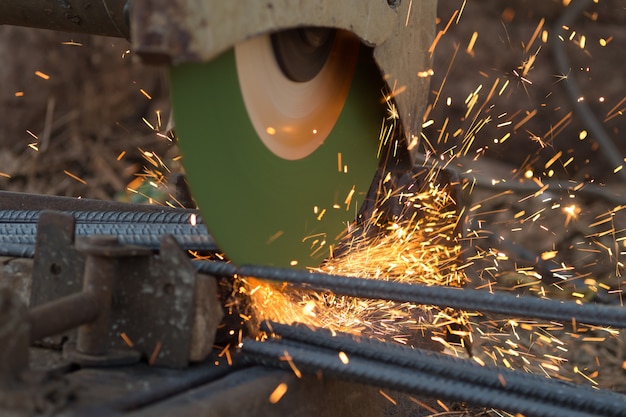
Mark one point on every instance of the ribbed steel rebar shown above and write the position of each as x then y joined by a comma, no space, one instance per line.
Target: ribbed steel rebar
18,229
273,353
474,300
17,250
164,217
531,386
193,237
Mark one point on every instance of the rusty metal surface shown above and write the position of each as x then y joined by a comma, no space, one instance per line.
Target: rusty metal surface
106,17
220,390
158,302
64,313
154,305
206,390
208,315
71,391
405,61
104,259
198,30
247,393
57,266
15,273
117,391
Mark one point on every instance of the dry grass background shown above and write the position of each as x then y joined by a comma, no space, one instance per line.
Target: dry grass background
78,120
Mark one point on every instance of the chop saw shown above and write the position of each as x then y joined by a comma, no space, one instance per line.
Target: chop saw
278,105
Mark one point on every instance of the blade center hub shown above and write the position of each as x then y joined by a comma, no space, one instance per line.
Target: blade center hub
301,53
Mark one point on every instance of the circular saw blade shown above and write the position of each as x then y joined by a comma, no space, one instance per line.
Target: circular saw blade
269,207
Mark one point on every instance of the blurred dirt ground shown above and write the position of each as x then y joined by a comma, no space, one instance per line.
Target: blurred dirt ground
71,105
87,125
504,31
90,109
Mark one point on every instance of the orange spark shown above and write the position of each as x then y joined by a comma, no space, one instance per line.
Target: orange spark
145,93
433,45
387,397
75,177
470,45
42,75
155,353
278,393
127,340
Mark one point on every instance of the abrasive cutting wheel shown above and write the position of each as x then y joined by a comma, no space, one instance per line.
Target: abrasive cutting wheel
290,139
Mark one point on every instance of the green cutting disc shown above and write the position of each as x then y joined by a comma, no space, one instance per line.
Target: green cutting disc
278,168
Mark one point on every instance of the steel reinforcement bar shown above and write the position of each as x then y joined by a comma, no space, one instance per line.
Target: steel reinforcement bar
18,229
391,376
533,387
474,300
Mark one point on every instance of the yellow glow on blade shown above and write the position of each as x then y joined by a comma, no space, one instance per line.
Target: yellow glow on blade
275,236
348,199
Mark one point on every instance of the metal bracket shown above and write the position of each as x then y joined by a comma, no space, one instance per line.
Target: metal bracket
57,267
13,336
156,305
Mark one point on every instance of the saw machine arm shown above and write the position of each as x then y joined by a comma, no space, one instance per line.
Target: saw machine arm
401,33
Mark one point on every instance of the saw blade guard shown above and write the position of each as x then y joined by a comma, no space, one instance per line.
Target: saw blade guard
279,178
281,149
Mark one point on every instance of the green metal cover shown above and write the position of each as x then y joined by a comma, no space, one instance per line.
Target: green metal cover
261,208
